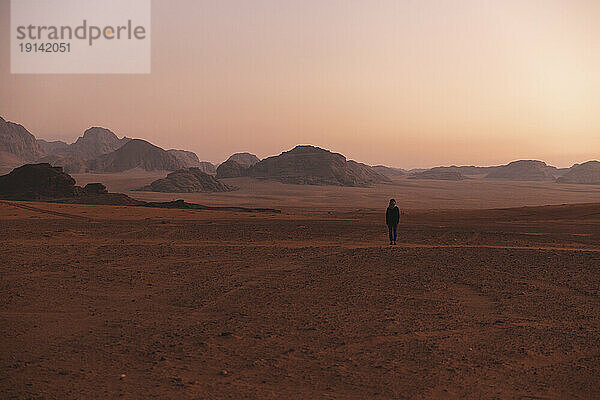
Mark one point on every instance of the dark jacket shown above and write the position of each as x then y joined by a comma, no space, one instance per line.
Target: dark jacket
392,216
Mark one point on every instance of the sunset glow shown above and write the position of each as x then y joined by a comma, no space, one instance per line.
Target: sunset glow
402,83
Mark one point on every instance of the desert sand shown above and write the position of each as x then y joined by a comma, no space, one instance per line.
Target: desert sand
102,302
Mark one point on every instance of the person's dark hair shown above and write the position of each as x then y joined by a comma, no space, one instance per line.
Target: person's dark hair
392,201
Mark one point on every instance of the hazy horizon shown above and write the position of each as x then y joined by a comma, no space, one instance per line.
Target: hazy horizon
404,84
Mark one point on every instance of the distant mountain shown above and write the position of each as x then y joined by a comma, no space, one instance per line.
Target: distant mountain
190,180
8,161
439,173
310,165
17,145
523,170
558,172
366,173
415,170
53,147
188,158
586,173
231,169
207,167
389,171
136,153
95,142
75,157
244,159
70,165
469,170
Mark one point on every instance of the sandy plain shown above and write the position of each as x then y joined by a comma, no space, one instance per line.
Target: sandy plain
475,301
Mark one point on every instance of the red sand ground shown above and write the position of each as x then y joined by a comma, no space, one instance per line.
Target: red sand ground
102,302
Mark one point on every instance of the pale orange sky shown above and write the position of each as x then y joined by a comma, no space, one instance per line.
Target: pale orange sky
405,83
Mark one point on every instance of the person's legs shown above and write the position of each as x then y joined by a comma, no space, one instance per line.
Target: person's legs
391,233
395,228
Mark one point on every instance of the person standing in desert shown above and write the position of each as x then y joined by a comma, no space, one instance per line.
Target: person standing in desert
392,218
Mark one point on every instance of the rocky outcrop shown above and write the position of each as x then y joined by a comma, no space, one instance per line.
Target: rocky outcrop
523,170
190,180
231,169
310,165
17,145
136,153
37,182
244,159
587,173
439,173
187,158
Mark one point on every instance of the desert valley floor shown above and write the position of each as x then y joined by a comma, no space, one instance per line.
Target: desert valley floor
477,301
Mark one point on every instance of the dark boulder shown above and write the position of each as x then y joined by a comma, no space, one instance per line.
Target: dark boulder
95,188
37,182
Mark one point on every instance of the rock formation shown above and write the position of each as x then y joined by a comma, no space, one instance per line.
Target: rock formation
37,182
244,159
95,188
47,183
95,142
190,180
70,165
586,173
231,169
439,173
187,158
390,172
17,145
207,167
136,153
53,147
310,165
523,170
